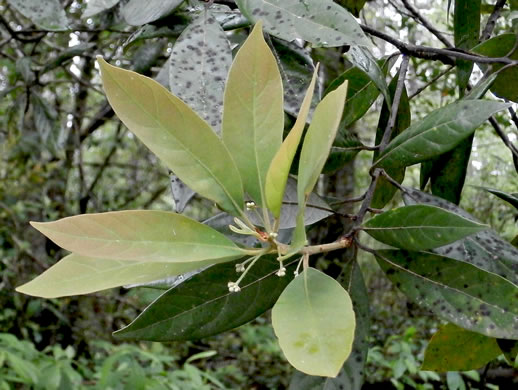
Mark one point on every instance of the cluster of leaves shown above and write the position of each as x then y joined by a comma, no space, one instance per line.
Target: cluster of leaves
224,141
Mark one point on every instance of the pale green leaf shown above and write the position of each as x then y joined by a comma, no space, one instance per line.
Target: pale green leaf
138,12
200,61
253,116
316,147
76,274
140,235
314,321
456,349
438,132
173,131
46,14
321,22
420,227
277,175
94,7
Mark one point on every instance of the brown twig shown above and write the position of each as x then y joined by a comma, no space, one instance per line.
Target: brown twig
426,23
491,21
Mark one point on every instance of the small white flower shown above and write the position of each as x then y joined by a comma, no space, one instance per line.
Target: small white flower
233,287
296,272
281,272
250,205
273,235
240,267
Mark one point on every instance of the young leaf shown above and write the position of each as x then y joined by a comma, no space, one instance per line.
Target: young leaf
200,62
321,22
316,147
456,291
140,235
314,321
420,227
172,131
75,274
350,376
485,250
202,306
253,116
46,14
456,349
277,175
138,12
438,132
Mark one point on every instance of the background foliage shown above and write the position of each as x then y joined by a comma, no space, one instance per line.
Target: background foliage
62,152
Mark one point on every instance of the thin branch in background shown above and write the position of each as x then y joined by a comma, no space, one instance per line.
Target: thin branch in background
395,104
350,200
432,81
491,21
426,23
369,194
514,118
446,56
504,137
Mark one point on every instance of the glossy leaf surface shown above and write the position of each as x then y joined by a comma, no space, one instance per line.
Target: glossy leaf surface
321,22
253,118
75,274
161,121
456,349
420,227
485,250
314,322
140,235
46,14
455,291
277,175
438,132
200,62
202,305
362,58
138,12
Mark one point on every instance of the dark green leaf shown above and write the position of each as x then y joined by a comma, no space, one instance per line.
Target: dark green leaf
449,171
138,12
202,306
24,69
361,92
362,58
456,291
437,133
509,348
466,29
200,62
501,46
350,376
384,189
485,250
509,198
46,14
456,349
420,227
344,149
321,22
